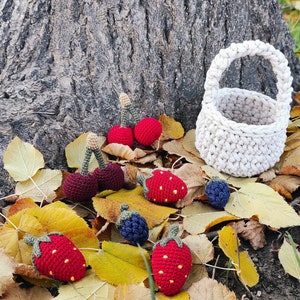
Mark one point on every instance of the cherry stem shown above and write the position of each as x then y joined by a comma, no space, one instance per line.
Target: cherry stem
85,164
99,158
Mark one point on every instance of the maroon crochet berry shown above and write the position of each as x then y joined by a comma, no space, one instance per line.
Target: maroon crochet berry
147,131
80,188
109,176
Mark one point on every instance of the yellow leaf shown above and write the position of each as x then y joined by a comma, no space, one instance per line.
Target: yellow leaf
119,263
55,217
41,186
229,243
88,288
109,207
75,152
289,257
188,142
210,289
257,199
171,129
200,217
22,160
180,296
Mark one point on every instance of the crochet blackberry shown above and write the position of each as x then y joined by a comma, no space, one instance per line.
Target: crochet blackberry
132,226
217,192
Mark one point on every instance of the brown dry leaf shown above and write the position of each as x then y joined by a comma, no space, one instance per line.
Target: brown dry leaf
289,182
210,289
171,129
146,159
188,143
7,270
176,147
281,191
293,126
267,176
192,175
33,293
132,291
251,231
293,141
119,150
130,173
290,170
295,111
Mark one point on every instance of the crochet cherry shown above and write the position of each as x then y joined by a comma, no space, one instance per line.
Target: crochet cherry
132,226
54,255
122,134
82,186
163,187
147,131
217,192
171,262
109,176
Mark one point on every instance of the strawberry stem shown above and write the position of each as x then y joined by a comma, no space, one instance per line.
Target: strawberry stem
172,236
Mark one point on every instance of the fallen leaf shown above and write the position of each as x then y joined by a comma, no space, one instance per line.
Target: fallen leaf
289,182
252,231
292,159
176,147
290,170
188,143
201,248
295,111
75,152
89,288
281,191
257,199
267,176
193,176
41,186
171,129
22,160
7,270
132,291
121,151
289,257
33,293
292,142
21,204
210,289
180,296
109,207
198,217
119,263
230,245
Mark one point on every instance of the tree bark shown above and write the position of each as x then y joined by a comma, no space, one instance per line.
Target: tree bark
63,63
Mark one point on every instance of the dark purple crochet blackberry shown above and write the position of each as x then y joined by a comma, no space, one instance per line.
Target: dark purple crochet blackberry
132,226
217,192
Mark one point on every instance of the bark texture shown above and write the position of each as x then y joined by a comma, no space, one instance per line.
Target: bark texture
63,63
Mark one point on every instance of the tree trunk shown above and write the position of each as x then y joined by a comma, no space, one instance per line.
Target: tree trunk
63,63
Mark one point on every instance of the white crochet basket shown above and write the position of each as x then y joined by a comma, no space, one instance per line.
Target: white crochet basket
242,132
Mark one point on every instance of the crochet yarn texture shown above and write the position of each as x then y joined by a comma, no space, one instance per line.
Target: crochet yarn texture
217,192
242,132
132,226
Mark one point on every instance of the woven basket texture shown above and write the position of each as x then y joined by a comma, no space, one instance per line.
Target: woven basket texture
241,132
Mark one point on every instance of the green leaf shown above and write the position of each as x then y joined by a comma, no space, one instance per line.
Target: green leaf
290,259
119,264
41,186
257,199
22,160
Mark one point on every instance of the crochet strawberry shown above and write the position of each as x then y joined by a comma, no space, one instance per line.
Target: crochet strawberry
55,256
217,192
122,134
163,187
81,187
132,226
109,176
147,131
171,262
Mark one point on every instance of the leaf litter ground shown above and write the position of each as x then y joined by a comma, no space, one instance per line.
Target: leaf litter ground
219,264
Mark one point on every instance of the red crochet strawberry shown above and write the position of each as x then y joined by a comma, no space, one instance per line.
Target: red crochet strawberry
171,262
122,134
109,176
147,131
81,187
163,187
55,256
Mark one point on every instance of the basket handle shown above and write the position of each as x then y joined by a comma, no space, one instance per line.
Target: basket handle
226,56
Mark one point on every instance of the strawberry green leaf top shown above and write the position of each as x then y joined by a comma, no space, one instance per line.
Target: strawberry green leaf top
171,262
55,256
